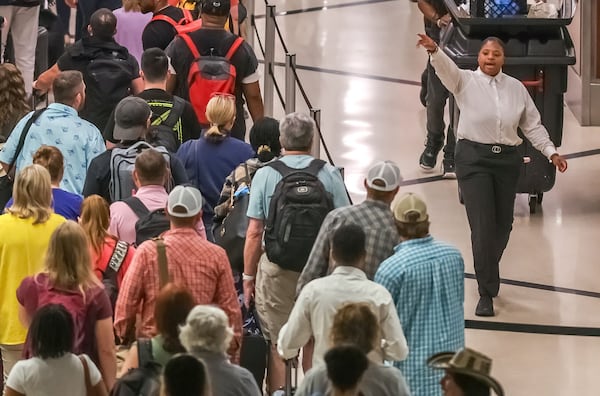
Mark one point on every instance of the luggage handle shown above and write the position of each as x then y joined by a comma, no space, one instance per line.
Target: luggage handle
537,83
290,364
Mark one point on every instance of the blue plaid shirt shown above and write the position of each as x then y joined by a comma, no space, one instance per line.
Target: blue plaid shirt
426,280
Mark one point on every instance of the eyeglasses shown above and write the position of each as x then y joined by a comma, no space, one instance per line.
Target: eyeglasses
223,95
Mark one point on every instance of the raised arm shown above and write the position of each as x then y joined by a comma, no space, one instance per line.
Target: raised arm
450,75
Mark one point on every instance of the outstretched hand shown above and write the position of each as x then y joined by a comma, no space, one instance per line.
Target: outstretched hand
426,42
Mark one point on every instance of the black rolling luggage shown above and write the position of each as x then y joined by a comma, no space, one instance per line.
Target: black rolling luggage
255,349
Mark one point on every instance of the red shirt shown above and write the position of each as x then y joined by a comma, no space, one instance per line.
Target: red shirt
200,266
100,262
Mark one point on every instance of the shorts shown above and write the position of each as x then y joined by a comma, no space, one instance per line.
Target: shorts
275,295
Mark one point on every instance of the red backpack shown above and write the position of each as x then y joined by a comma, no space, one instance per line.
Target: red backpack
209,74
186,24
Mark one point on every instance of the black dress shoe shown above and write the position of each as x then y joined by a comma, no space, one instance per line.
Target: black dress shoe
485,306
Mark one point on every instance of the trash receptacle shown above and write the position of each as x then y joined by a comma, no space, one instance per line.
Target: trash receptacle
538,52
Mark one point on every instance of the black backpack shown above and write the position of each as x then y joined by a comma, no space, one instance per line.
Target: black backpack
109,275
143,380
150,224
297,210
166,129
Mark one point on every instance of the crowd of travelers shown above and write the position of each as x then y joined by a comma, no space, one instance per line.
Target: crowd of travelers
146,248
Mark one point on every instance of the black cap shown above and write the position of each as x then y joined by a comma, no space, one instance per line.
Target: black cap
216,7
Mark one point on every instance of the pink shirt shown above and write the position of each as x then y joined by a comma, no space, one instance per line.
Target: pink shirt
123,219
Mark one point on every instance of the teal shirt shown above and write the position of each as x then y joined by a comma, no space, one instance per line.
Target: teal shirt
78,140
266,178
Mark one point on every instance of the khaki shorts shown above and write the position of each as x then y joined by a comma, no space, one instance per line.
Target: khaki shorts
275,295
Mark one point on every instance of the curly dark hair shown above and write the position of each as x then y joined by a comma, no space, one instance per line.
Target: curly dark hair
13,98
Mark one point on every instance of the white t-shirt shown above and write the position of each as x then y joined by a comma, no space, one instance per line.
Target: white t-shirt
52,377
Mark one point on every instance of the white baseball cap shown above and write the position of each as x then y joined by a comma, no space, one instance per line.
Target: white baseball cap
184,201
386,173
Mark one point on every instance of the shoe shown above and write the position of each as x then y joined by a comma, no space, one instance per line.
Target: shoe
428,159
485,306
448,170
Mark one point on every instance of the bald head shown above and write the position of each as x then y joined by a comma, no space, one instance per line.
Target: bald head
103,24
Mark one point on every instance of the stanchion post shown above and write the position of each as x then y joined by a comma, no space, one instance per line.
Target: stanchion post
251,22
315,150
269,60
290,83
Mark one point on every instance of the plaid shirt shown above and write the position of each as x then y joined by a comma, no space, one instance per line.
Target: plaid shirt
375,218
426,280
199,265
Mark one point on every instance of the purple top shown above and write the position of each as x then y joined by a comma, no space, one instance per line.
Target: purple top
130,25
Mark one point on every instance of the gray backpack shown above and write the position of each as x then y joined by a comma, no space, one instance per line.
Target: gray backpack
122,164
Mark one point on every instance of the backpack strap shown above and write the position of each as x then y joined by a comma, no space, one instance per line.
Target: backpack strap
165,18
315,166
236,44
281,167
163,267
117,259
187,16
144,349
137,206
190,44
175,112
36,114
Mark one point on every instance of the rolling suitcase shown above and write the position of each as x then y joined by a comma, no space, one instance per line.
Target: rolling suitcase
545,86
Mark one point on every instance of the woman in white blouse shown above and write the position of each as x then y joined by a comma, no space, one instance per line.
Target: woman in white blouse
492,106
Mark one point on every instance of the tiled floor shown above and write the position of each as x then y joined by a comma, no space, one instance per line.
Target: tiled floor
366,85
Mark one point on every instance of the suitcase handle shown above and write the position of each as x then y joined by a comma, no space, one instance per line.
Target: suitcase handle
537,83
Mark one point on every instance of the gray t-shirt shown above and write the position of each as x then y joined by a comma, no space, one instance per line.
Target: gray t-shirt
378,380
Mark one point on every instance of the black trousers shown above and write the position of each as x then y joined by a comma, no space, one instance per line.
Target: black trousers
487,177
437,97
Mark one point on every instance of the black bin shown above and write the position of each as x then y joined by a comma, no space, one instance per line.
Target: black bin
538,52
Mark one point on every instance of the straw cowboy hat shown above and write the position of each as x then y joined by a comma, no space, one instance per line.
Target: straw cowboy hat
468,362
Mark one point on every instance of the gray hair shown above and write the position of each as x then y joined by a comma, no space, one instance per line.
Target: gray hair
297,131
206,329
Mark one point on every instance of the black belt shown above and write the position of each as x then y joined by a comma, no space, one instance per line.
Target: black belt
494,148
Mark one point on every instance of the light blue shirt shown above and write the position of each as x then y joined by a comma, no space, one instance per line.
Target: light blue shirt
60,126
266,178
426,280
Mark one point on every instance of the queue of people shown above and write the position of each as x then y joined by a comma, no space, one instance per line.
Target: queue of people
370,297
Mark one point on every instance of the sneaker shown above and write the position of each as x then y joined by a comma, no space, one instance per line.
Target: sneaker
485,306
428,159
448,170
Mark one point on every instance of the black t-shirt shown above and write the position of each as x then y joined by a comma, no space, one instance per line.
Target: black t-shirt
244,60
190,127
160,33
97,108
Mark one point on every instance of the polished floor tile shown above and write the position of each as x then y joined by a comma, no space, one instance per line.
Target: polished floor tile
359,65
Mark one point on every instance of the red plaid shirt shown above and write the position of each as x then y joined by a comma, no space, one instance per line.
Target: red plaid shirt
193,262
